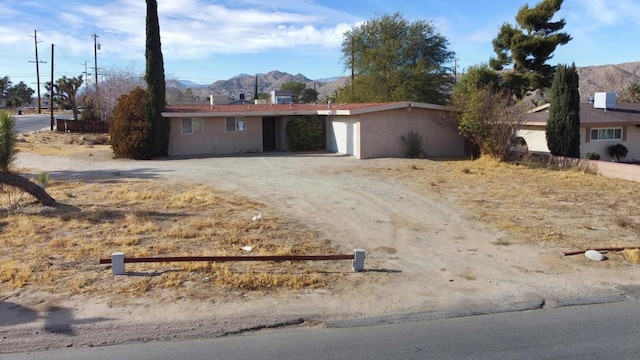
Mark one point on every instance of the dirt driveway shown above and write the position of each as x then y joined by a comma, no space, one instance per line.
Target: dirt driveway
423,254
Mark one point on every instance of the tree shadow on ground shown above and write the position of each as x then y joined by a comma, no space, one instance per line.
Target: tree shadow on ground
69,212
105,176
57,320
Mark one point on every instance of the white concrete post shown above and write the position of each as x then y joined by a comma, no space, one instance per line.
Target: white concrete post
358,260
117,263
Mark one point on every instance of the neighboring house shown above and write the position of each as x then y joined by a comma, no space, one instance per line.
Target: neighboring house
360,130
281,97
601,126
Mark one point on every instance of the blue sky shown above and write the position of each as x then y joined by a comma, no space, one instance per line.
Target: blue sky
207,40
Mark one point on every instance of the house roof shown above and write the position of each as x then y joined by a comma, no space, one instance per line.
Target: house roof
624,114
206,110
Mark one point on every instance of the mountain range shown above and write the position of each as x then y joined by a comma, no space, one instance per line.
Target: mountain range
245,84
603,78
607,78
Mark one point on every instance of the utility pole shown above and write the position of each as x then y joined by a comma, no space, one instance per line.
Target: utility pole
96,46
38,62
455,70
51,95
86,74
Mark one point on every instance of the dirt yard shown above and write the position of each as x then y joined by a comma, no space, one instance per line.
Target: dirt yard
439,236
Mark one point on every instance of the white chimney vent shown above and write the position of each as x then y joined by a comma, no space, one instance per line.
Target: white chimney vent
604,100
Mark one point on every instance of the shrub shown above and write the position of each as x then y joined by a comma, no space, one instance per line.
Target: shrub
130,131
304,134
618,151
42,179
592,156
414,145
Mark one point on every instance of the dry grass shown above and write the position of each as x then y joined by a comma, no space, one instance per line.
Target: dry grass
55,143
57,249
569,209
631,255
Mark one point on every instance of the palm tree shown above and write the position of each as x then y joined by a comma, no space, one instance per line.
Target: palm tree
631,93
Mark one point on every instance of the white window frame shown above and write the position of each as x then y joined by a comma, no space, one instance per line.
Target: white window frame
602,130
239,124
197,129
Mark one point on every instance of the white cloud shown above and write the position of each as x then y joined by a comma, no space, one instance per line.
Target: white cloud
190,29
609,12
7,12
10,35
193,28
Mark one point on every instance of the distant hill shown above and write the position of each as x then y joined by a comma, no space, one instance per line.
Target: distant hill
607,78
245,84
603,78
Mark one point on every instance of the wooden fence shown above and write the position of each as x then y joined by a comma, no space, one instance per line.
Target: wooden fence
82,126
118,260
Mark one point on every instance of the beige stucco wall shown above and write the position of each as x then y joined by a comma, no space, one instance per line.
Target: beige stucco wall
215,140
381,133
537,142
632,143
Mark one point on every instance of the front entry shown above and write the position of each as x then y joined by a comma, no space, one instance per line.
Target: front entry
268,133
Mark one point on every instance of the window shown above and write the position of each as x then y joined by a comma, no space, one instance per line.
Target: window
236,124
606,134
191,125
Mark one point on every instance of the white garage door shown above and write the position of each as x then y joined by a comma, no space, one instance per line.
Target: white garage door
343,137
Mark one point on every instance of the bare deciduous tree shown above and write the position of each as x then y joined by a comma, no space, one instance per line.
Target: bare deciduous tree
115,83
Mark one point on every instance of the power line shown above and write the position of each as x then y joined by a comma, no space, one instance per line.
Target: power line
68,56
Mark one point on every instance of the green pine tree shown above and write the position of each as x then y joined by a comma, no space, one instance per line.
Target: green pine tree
155,84
528,46
563,126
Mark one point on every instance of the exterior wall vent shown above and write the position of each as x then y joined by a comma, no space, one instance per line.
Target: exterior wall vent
604,100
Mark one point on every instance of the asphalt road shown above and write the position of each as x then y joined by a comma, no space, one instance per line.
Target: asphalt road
27,123
604,331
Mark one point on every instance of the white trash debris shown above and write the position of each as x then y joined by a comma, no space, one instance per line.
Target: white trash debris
594,255
257,217
247,248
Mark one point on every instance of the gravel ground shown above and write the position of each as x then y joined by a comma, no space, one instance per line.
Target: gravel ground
424,256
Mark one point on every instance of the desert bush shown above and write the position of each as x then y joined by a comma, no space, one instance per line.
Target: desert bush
618,151
43,179
592,156
488,119
304,134
413,140
130,131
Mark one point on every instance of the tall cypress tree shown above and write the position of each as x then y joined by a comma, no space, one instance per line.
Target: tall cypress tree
255,90
155,84
563,126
